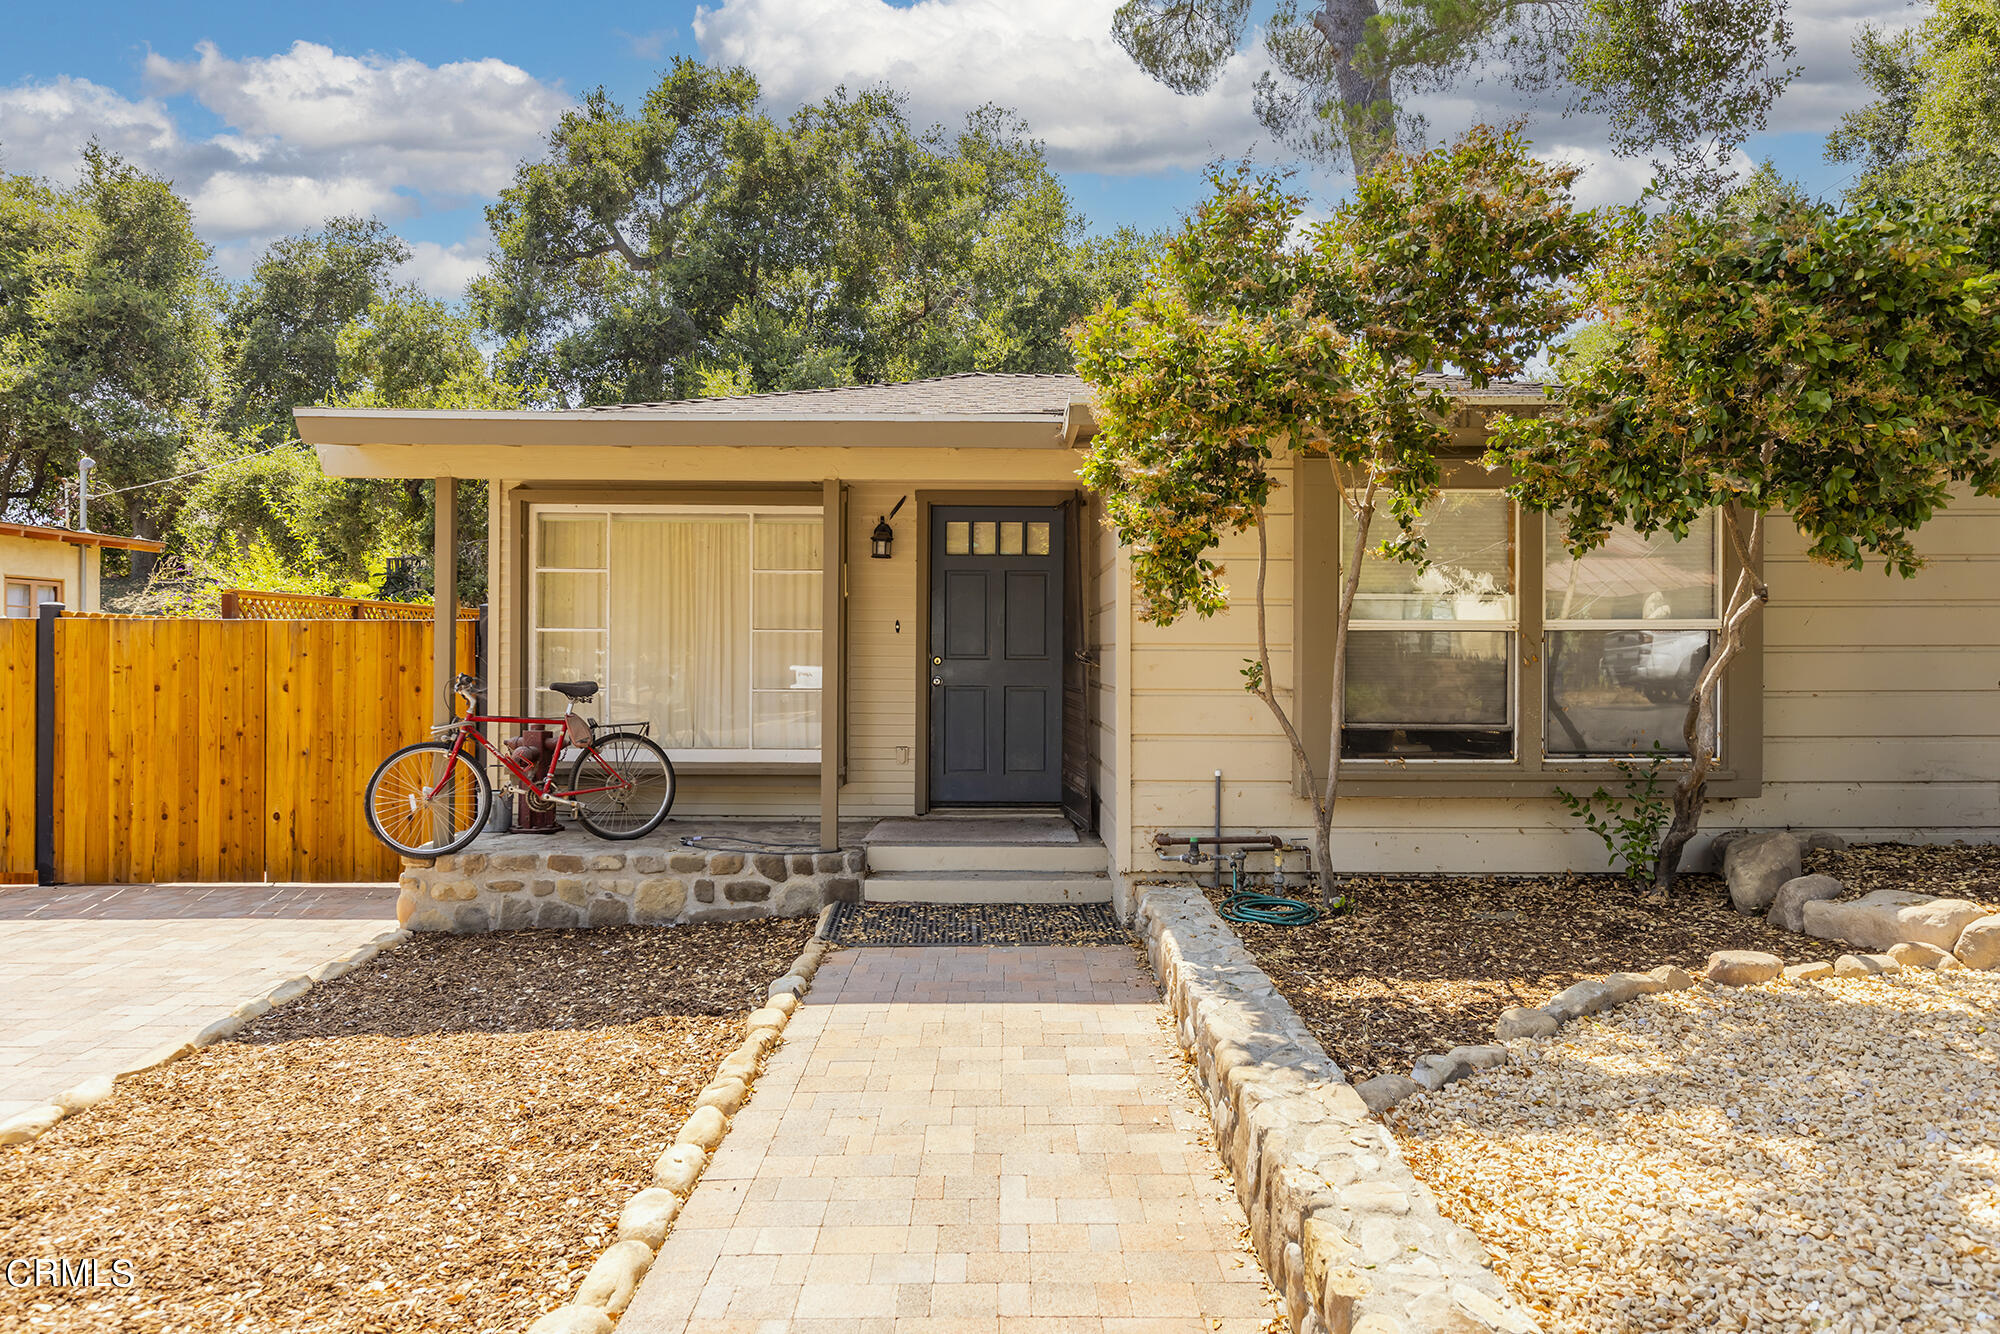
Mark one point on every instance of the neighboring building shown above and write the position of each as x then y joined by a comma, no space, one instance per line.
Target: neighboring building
55,565
710,562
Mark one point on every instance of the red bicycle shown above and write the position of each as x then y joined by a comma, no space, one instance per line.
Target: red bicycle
432,798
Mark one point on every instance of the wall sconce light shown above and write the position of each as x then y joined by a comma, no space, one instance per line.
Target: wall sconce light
884,536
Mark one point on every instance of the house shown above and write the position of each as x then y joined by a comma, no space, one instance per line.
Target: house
896,601
39,564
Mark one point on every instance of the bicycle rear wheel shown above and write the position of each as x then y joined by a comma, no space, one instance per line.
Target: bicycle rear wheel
423,803
637,780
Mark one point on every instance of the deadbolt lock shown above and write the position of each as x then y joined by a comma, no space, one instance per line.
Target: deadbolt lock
937,662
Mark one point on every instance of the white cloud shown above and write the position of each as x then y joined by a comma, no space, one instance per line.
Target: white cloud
443,271
1051,60
307,134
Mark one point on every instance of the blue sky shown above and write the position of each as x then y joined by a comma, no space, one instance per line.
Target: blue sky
271,117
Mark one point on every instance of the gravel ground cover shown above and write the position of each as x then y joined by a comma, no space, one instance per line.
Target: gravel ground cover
1427,963
1796,1156
439,1140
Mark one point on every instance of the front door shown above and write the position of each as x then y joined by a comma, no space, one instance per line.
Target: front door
996,655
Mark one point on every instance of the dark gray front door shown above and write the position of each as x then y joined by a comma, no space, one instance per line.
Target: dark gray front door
996,653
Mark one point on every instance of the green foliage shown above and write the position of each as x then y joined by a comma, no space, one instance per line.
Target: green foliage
1254,332
1682,81
107,336
697,244
1841,367
1929,133
1630,823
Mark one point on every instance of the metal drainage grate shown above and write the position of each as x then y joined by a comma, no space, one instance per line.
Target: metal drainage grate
865,924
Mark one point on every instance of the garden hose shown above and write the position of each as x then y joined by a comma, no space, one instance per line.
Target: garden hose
1268,910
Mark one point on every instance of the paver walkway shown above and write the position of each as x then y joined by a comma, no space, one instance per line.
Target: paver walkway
95,975
964,1140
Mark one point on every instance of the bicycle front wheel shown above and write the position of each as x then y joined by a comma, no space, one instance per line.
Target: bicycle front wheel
623,785
424,802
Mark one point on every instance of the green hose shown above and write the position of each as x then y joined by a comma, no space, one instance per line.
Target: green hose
1268,910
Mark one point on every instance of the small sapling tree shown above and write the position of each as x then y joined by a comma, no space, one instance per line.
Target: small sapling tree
1841,368
1257,334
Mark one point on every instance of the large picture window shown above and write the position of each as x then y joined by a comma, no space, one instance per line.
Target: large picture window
703,620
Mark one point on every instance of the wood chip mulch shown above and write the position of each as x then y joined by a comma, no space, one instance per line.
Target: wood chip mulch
1427,963
440,1140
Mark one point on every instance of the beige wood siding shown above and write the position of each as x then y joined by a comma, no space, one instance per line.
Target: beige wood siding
1882,718
51,562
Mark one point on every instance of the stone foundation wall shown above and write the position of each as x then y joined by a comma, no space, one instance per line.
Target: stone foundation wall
513,881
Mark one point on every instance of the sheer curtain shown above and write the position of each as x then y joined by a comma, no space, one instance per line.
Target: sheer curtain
680,626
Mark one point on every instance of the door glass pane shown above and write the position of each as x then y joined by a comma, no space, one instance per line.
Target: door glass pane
1469,537
1616,692
788,544
985,537
1038,539
1633,577
680,627
1010,539
785,719
572,543
957,539
787,602
1428,694
567,600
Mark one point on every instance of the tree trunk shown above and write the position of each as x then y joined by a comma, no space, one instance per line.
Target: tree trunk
1366,99
1699,729
1350,583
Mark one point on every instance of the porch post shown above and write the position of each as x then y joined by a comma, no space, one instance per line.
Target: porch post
833,570
444,585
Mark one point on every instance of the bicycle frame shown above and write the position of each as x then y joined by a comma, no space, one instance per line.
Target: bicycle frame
468,726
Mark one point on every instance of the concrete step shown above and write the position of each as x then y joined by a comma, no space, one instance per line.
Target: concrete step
983,887
954,858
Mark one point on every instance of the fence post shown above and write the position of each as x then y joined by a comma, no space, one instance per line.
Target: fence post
231,609
45,742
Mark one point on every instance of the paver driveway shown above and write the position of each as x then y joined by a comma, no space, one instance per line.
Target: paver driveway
96,975
979,1140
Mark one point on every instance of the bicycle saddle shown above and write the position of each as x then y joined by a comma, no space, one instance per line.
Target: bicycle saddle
574,689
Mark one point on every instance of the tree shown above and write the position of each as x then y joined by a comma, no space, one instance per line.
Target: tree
1840,368
1249,339
1929,133
107,339
280,328
1684,80
697,245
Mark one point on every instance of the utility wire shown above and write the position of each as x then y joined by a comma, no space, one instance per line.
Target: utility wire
181,477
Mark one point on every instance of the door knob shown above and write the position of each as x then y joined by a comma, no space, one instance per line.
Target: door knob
937,680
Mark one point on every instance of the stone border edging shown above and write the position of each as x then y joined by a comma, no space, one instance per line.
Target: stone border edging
23,1127
608,1287
1347,1234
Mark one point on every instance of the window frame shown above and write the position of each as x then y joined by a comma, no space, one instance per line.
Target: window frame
751,755
1531,772
32,582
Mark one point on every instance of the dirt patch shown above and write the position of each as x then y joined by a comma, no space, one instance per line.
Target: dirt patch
439,1140
1427,963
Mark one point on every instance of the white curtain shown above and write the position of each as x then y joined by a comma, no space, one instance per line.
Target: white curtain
680,626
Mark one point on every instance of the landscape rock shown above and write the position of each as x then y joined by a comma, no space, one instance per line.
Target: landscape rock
1718,847
252,1009
24,1126
1434,1072
1671,978
1916,954
1742,968
1806,972
679,1167
1878,920
615,1277
87,1094
1757,866
704,1129
227,1027
1586,997
725,1095
1789,907
1979,944
1820,839
1864,965
1385,1091
785,1003
164,1054
770,1016
287,992
1484,1056
789,984
1519,1022
647,1216
573,1320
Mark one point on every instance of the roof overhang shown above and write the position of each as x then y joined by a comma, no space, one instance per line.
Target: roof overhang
79,539
637,427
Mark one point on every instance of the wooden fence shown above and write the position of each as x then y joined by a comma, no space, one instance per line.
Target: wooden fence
17,772
193,750
257,604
